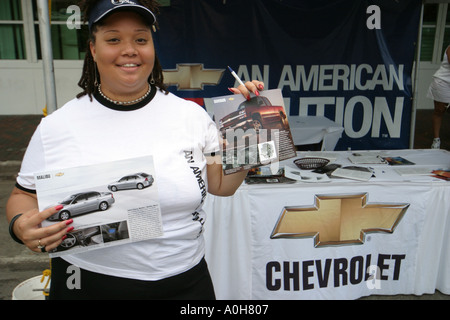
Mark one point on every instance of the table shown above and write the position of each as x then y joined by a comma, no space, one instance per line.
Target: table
314,129
412,256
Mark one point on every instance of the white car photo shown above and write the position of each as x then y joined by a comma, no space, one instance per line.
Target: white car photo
83,202
139,181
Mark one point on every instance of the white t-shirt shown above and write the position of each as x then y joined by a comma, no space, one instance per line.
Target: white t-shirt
178,133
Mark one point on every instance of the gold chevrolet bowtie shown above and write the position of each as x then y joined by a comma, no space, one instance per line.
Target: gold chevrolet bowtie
338,219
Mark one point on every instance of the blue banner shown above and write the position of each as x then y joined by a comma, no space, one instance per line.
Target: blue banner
348,60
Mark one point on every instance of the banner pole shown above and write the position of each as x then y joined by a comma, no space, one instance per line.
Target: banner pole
416,76
47,55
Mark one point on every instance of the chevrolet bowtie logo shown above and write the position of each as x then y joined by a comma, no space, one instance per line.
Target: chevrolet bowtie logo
337,220
192,76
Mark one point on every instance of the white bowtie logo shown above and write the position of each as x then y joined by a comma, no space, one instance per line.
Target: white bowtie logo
117,2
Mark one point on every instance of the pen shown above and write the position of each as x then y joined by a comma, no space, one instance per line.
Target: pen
236,76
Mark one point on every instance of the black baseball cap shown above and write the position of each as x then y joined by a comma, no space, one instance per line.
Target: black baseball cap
105,7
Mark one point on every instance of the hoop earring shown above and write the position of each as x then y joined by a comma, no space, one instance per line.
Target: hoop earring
152,80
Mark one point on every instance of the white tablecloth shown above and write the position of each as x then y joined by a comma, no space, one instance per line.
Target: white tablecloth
246,263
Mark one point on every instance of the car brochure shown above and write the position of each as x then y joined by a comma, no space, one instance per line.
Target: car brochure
264,175
442,174
110,203
253,132
398,161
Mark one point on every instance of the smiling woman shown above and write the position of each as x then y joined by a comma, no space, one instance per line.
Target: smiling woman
120,47
126,112
99,14
124,54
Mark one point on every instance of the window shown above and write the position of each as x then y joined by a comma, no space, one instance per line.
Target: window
12,39
428,31
68,44
435,31
446,41
19,31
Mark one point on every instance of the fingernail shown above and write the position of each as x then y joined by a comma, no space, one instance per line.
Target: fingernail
69,229
69,222
260,87
231,90
59,207
248,98
64,238
257,93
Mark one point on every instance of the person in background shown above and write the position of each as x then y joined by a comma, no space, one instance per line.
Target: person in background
439,91
125,111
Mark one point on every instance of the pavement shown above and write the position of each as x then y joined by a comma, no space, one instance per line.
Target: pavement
18,264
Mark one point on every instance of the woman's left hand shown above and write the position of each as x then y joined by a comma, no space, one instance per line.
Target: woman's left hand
253,86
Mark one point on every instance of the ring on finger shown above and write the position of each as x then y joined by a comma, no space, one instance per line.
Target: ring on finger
40,246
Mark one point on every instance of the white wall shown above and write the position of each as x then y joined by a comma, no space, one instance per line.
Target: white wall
22,85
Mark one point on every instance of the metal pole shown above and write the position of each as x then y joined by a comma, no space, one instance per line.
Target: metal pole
47,55
416,75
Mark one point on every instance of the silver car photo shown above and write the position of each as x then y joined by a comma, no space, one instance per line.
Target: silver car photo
139,181
84,202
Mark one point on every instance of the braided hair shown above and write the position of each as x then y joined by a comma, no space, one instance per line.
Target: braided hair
88,81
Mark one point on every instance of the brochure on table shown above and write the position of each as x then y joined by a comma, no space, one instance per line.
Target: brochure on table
110,203
254,132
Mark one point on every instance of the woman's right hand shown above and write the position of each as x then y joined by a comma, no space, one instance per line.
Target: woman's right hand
28,229
250,86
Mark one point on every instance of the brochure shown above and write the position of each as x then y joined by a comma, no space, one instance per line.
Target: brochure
398,161
110,203
366,158
413,171
264,175
442,174
254,132
353,172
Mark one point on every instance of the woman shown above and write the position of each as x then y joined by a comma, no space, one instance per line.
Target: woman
123,112
439,91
